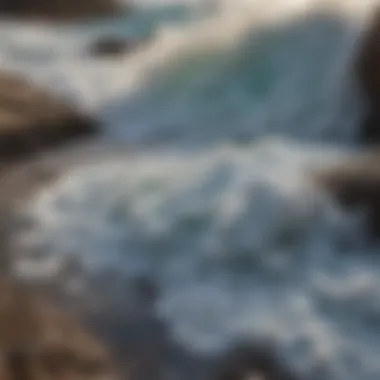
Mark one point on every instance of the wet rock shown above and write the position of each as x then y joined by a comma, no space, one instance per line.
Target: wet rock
59,10
32,120
38,341
370,128
355,184
247,361
367,72
115,46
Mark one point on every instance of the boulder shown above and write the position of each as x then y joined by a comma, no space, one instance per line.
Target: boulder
355,184
38,341
58,10
32,120
246,361
115,46
366,69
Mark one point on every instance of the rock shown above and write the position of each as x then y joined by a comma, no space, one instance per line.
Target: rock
369,133
31,119
366,68
58,10
355,183
114,46
38,341
246,361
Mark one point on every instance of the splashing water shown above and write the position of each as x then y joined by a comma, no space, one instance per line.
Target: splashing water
228,222
238,240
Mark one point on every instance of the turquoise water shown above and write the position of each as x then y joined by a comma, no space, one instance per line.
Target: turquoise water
284,80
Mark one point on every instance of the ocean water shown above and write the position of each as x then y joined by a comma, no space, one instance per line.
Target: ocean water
225,114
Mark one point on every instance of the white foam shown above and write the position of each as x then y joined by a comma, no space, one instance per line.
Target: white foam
239,241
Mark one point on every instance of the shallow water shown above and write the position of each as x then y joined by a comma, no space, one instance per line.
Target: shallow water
228,115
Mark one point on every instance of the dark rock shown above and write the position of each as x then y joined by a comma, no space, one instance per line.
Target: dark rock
366,67
32,120
251,362
370,128
114,46
58,10
355,184
39,341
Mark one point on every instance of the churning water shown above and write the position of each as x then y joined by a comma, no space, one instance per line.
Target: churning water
229,108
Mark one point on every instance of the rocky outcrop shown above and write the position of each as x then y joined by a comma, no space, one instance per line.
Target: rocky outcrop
115,46
58,10
38,341
31,119
249,362
366,67
355,184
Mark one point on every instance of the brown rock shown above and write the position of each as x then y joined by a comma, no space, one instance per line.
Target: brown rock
367,72
58,10
355,184
248,362
39,342
32,120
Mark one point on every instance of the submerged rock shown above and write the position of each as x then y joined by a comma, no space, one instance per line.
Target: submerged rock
38,341
355,184
114,46
250,362
367,73
31,119
59,9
